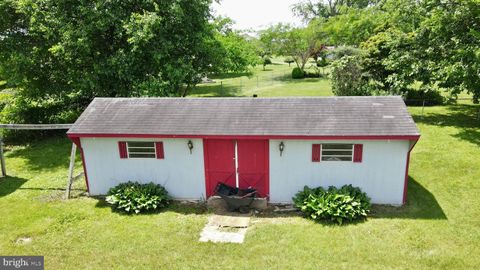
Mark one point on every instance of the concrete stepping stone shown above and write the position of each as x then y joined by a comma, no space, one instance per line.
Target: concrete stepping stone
225,229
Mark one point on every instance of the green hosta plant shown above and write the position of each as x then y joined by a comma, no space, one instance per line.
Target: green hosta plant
347,203
133,197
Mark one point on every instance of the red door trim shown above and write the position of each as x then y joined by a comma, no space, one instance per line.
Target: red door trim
205,167
267,169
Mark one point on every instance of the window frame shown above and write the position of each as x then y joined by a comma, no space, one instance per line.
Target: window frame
154,153
351,150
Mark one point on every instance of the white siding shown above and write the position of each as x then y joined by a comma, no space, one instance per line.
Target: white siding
381,174
181,173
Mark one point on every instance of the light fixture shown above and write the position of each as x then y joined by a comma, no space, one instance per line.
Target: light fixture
190,146
281,146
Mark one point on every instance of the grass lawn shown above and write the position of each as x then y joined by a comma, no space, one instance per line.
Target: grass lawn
438,228
275,80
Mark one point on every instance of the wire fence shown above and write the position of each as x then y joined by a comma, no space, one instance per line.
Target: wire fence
247,83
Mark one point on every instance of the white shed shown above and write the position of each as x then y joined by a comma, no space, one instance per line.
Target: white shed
276,145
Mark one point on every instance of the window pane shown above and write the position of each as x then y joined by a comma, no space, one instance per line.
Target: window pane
342,153
141,155
141,144
334,158
141,150
337,146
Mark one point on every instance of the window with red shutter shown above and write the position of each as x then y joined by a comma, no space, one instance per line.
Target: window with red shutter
358,153
159,150
316,149
122,149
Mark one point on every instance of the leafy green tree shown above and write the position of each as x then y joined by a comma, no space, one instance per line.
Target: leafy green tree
308,9
60,54
300,44
354,26
271,39
237,52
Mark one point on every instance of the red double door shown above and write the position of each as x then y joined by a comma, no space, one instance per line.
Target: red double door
238,163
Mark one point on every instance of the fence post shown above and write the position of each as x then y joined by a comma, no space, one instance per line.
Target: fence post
221,85
423,106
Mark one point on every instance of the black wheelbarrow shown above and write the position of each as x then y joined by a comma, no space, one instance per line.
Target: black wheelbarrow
236,198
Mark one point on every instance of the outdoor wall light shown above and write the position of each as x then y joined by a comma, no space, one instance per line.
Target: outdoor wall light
281,146
190,146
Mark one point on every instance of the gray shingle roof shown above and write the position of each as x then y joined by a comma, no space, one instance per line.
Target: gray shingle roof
319,116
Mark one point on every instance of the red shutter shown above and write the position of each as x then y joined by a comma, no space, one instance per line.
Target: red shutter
357,152
159,150
122,149
316,149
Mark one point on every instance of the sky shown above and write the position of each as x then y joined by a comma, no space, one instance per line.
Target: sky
257,14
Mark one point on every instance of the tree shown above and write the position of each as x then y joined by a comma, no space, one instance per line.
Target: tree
266,61
308,9
439,52
60,54
236,51
300,44
354,26
289,60
271,39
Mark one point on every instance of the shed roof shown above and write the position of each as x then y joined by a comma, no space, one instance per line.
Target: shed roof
317,116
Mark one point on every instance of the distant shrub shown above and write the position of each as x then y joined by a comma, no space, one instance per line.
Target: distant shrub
133,197
312,74
431,97
337,205
297,73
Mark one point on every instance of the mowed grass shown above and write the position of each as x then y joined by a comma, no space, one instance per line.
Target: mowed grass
439,228
275,80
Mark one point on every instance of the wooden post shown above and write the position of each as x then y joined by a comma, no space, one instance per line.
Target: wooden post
70,170
2,159
423,106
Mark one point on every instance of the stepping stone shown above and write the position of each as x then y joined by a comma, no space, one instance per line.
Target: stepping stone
225,229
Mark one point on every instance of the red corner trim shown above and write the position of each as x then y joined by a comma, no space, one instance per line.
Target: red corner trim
405,185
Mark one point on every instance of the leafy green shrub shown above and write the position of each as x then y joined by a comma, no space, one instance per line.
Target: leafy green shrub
312,74
297,73
133,197
431,97
348,78
338,205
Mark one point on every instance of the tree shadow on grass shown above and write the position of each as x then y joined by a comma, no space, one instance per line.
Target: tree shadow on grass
462,116
421,204
223,76
217,90
43,155
10,184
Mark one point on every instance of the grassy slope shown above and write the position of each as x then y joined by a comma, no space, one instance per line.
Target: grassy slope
438,228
